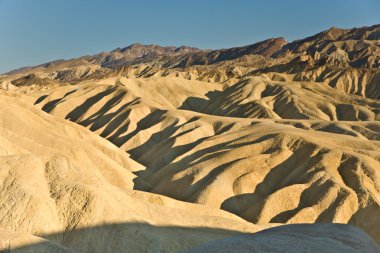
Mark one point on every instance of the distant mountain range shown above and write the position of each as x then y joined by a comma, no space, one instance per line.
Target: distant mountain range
335,56
357,47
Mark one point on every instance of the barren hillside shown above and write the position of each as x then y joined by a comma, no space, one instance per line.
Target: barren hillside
169,149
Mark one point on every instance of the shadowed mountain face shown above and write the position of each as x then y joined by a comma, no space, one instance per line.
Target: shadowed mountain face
177,149
303,238
278,240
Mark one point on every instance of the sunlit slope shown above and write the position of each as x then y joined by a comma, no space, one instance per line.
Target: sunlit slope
65,184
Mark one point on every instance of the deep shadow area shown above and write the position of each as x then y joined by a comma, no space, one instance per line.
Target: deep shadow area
296,238
168,170
124,237
48,107
40,99
143,237
153,118
198,104
75,114
215,103
277,178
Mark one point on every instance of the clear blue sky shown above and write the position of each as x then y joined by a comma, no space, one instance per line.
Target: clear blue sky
38,31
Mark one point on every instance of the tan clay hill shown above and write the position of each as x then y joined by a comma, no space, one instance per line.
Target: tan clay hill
191,149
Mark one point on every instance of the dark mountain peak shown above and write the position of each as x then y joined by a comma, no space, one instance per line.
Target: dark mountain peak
186,49
136,46
333,33
277,40
129,47
267,47
340,34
